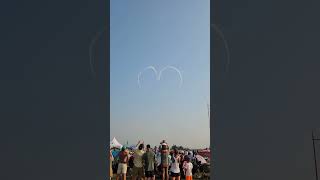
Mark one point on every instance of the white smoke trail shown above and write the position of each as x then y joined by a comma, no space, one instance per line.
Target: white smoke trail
149,67
174,68
208,109
158,75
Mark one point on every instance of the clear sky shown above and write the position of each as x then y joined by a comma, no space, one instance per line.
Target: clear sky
160,33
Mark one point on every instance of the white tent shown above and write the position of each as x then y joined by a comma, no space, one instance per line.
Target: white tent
115,144
201,159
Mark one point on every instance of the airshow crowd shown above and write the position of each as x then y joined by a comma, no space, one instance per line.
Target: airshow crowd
145,164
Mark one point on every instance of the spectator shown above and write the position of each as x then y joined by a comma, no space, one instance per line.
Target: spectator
165,160
111,160
175,169
138,171
123,164
149,159
188,169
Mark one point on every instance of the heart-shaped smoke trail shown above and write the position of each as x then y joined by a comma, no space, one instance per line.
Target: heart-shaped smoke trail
158,76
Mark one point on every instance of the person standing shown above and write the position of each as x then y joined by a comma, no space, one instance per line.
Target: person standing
182,173
165,160
123,164
138,171
175,169
111,160
158,163
155,150
188,169
149,159
190,155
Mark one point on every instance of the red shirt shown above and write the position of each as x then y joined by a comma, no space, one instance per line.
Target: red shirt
123,156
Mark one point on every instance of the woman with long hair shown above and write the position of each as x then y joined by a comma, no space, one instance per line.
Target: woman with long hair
175,169
164,160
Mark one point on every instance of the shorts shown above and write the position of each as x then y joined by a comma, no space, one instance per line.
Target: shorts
137,171
122,168
174,174
164,165
188,177
149,173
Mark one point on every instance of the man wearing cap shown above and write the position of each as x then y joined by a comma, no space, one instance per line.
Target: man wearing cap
123,161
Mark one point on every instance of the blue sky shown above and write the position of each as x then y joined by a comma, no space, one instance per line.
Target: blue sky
160,33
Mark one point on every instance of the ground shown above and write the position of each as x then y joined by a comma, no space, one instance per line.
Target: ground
129,178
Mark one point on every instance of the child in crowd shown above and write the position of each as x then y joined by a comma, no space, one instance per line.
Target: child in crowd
188,169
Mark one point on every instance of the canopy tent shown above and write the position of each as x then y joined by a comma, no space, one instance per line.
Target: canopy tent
204,153
204,150
201,159
115,144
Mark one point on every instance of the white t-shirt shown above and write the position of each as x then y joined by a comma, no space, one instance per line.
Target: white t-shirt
188,168
175,166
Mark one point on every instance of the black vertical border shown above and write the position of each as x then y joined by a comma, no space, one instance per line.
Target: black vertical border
215,84
106,86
